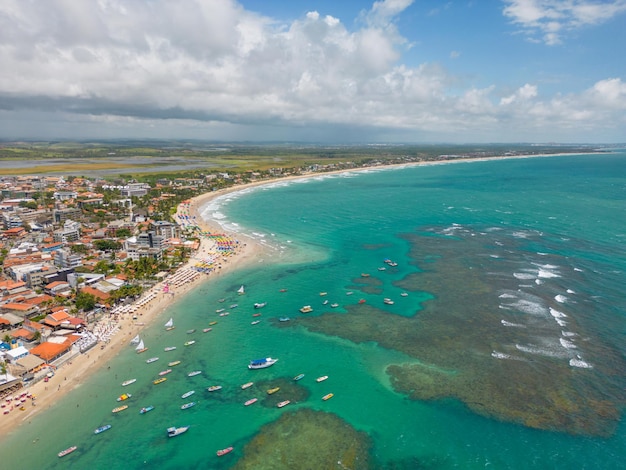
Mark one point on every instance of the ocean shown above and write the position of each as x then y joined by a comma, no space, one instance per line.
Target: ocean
501,343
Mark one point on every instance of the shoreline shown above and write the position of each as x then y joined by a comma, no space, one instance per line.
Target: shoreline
80,368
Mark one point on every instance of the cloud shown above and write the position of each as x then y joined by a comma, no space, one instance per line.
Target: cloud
551,18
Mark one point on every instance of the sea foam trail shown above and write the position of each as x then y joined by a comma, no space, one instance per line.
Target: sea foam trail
515,325
580,363
567,344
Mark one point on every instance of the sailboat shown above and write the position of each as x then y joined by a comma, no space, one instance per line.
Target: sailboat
241,290
169,325
140,347
135,340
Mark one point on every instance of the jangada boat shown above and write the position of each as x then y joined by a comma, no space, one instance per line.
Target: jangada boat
261,363
174,431
169,325
224,451
69,450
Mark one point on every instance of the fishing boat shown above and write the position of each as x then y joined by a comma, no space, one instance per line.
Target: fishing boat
224,451
328,396
306,309
165,372
251,401
387,301
135,340
173,363
119,408
189,343
220,310
260,304
214,388
143,411
170,348
187,394
193,330
334,305
124,396
174,431
322,378
169,325
284,319
283,403
128,382
271,391
323,293
247,385
298,377
206,330
159,381
261,363
140,347
188,405
241,290
193,373
213,323
255,322
151,360
69,450
106,427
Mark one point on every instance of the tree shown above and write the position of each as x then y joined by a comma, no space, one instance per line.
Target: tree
123,233
85,302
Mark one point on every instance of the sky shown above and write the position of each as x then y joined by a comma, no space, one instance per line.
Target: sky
328,71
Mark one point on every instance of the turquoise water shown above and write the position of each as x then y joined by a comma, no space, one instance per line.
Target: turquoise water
518,264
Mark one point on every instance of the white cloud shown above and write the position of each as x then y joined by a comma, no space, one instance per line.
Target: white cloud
549,18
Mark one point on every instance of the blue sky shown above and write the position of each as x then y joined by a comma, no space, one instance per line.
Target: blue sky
322,71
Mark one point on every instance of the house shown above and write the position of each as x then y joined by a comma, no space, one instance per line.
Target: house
52,350
21,310
57,287
15,232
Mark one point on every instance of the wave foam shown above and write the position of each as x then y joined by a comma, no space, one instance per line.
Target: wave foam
515,325
567,344
560,298
580,363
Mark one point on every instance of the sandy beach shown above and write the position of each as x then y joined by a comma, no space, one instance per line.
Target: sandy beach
78,370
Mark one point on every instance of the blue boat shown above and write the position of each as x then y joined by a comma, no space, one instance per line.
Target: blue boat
106,427
298,377
146,409
261,363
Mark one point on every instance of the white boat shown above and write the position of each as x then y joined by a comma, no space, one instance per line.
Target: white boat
151,360
101,429
404,294
174,431
306,309
69,450
255,322
194,373
188,405
170,348
262,363
135,340
169,325
241,290
187,394
322,378
388,301
260,305
128,382
140,347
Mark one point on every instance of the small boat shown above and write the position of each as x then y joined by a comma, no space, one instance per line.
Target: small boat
220,310
222,300
124,396
140,347
170,348
261,363
174,431
187,394
255,322
382,268
119,408
404,294
323,293
234,306
349,293
224,314
365,275
322,378
146,409
283,403
106,427
387,301
334,305
206,330
251,401
214,388
306,309
165,372
169,325
247,385
193,330
224,451
361,301
173,363
328,396
283,319
282,290
256,314
260,304
193,373
159,381
135,340
298,377
151,360
69,450
188,405
325,302
128,382
273,390
189,343
213,323
241,290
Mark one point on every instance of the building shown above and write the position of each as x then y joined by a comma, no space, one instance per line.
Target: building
65,259
69,233
64,195
68,213
165,229
146,244
135,189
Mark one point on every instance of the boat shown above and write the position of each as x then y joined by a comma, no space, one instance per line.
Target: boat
146,409
173,363
271,391
404,294
349,293
247,385
135,340
119,408
323,293
328,396
260,304
188,405
283,319
213,323
251,401
165,372
224,451
124,396
174,431
283,403
255,322
361,301
387,301
365,275
298,377
189,343
256,314
193,330
214,388
128,382
206,330
325,302
234,306
106,427
193,373
220,310
188,394
322,378
151,360
334,305
282,290
69,450
170,348
169,325
241,290
382,268
222,300
306,309
140,347
224,314
159,381
261,363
